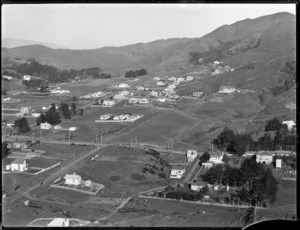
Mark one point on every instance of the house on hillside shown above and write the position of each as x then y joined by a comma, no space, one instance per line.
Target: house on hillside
191,155
189,78
177,172
180,79
108,102
73,179
19,164
290,124
143,101
26,77
45,126
197,94
156,79
123,85
172,78
133,101
197,186
216,157
264,157
227,89
153,94
160,83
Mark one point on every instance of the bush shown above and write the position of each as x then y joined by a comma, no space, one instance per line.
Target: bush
115,178
161,175
137,176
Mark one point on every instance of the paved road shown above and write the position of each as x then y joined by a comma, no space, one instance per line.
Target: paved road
54,175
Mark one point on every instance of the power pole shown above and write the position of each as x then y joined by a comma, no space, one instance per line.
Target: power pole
96,137
101,138
69,135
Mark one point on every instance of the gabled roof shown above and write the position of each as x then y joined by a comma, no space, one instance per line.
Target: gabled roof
72,177
19,161
178,167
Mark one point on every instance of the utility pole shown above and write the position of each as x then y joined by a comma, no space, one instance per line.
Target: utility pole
101,138
69,135
96,137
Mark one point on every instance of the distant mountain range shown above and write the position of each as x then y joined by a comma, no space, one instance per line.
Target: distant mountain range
248,41
12,43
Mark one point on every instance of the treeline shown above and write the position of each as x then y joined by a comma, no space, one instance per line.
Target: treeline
236,143
101,76
256,184
136,73
51,73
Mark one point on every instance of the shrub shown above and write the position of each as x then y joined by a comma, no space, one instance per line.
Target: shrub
137,176
115,178
161,175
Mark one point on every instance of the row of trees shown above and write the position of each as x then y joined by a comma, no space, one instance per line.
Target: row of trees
258,185
136,73
51,73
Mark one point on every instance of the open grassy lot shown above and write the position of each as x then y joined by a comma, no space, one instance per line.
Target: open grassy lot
286,194
41,162
62,151
114,167
173,214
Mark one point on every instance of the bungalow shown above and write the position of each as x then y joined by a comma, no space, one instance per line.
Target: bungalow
26,77
45,125
153,94
144,101
108,102
7,77
35,114
156,79
264,157
216,157
160,83
226,89
73,179
207,165
133,101
197,186
189,78
197,94
140,88
191,155
177,172
123,85
290,124
19,164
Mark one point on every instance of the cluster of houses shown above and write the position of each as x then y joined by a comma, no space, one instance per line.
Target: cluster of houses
138,101
120,117
122,85
178,171
47,126
218,69
92,95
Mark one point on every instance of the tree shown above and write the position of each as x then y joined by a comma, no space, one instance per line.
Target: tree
205,157
64,107
5,150
52,116
22,125
273,125
214,174
41,119
224,138
73,108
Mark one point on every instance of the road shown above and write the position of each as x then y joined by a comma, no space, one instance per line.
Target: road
54,175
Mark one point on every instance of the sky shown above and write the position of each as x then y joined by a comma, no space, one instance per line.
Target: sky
89,26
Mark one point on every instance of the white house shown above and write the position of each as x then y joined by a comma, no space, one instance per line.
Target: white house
108,102
123,85
133,101
189,78
19,164
140,88
226,89
156,79
197,94
217,62
161,99
105,116
207,165
35,114
124,93
7,77
191,155
177,172
160,83
180,79
153,94
58,127
26,77
264,157
216,157
197,186
144,101
290,124
45,125
73,179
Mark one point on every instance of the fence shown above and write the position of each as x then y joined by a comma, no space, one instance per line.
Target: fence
46,169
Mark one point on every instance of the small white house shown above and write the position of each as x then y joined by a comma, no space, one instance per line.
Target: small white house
180,79
7,77
19,164
197,94
160,83
140,88
227,89
191,155
189,78
156,79
143,101
161,99
177,172
216,157
172,78
105,116
133,101
73,179
290,124
197,186
124,93
264,157
108,102
123,85
45,126
58,127
153,94
35,114
207,165
26,77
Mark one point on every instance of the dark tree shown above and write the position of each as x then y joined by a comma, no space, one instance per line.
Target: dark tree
205,157
22,125
41,119
52,116
64,107
5,150
73,108
273,125
214,174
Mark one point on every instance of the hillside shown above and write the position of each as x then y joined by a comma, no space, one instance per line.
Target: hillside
240,43
12,43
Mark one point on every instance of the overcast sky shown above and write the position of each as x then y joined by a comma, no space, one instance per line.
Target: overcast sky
88,26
